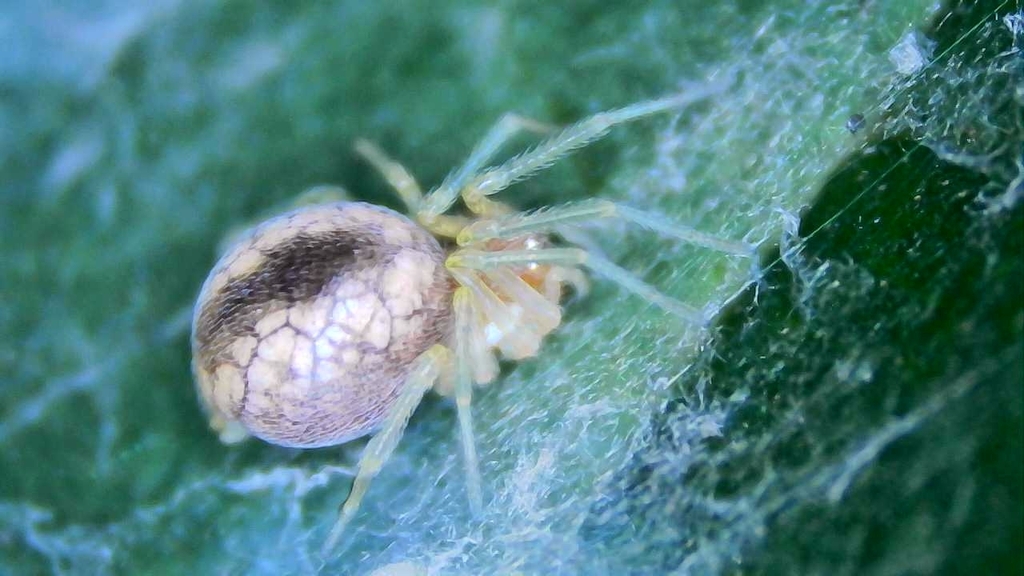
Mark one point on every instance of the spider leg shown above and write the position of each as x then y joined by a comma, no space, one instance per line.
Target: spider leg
393,172
424,372
322,194
464,338
579,135
408,189
516,331
560,276
547,220
573,257
440,200
544,314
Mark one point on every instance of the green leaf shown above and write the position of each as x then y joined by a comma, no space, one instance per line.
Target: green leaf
857,408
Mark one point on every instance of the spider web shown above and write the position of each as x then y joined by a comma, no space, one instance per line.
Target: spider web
778,440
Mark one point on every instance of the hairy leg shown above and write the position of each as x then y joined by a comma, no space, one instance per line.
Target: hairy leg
547,220
513,330
573,257
393,172
440,200
465,337
377,452
409,190
581,134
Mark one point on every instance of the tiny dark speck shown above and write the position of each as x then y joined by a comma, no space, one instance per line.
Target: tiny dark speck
854,123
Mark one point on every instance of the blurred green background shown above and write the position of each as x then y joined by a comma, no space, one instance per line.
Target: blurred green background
856,409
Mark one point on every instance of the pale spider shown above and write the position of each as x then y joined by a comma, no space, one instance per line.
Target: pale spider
330,322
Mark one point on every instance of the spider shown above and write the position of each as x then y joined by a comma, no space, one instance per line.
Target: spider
330,322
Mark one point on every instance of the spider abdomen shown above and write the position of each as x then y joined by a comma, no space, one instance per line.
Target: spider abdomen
307,327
